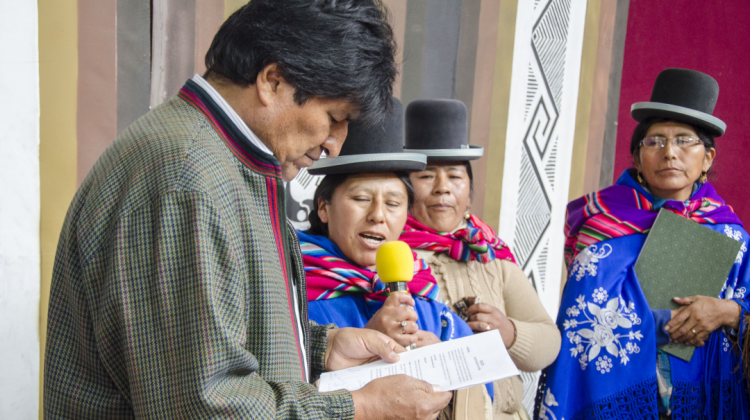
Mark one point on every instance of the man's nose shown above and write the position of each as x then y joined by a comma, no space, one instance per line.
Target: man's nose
336,138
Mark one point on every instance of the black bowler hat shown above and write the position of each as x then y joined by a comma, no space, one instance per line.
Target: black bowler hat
370,149
683,95
439,128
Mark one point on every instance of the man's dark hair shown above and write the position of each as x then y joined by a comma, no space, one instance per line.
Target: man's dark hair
642,128
332,49
328,186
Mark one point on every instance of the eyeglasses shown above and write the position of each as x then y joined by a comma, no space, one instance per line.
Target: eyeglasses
683,142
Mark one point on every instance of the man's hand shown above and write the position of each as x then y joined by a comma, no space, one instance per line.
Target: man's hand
349,347
399,397
693,323
485,317
389,317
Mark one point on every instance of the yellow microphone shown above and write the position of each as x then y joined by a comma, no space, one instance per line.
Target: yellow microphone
394,263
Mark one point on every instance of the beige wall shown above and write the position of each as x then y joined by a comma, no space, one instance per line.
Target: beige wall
58,81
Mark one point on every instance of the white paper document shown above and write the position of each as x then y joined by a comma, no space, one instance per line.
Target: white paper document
452,365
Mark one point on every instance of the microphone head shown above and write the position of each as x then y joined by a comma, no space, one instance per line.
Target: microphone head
394,262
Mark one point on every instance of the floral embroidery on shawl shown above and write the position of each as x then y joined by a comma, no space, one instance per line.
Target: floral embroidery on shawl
549,402
586,260
737,236
589,342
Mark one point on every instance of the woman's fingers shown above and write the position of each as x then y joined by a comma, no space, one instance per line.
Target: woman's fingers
406,340
405,313
407,327
692,329
684,300
388,319
697,342
686,331
479,308
699,339
426,338
398,299
693,324
483,322
679,316
404,332
399,313
481,326
482,317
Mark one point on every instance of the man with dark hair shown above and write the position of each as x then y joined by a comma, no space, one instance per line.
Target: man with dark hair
178,289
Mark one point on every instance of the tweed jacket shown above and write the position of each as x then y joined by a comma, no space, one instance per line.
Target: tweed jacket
172,286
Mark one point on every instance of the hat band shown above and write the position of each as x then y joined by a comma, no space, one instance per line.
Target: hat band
373,157
472,151
688,112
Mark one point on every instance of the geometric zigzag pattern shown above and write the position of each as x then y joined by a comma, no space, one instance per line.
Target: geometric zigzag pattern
533,212
549,40
543,99
546,71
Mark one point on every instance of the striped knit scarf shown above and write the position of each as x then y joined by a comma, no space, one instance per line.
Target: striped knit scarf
330,274
475,242
626,209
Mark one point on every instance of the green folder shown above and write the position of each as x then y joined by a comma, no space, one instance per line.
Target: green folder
683,258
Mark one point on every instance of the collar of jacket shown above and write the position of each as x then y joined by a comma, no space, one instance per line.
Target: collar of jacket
252,157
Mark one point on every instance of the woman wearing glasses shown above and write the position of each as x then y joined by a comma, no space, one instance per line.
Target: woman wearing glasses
609,365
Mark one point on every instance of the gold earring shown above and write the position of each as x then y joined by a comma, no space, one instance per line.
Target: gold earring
640,178
704,178
467,215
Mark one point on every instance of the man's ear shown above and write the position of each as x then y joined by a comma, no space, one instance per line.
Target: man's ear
269,83
322,210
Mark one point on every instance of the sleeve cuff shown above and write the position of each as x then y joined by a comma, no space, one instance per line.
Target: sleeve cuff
340,404
661,317
318,344
524,341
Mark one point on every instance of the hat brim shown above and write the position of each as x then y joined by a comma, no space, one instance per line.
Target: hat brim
642,110
450,155
369,163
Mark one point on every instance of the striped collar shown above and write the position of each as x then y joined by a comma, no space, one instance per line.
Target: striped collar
241,142
222,103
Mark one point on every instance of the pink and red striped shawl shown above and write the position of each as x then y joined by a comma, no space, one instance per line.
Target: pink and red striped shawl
626,209
330,274
475,242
